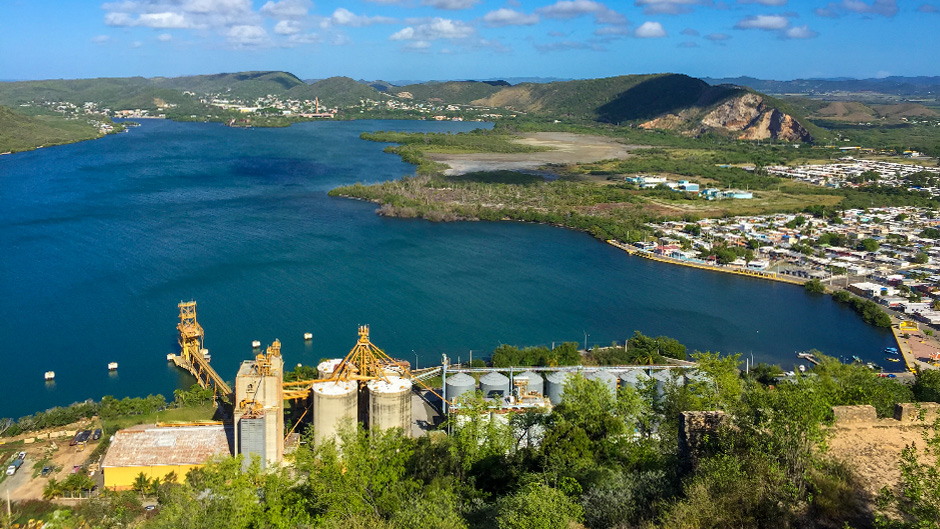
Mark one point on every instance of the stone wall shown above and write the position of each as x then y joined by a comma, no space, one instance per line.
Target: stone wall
854,414
913,412
694,428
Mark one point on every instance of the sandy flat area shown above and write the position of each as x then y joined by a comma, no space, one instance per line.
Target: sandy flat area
567,148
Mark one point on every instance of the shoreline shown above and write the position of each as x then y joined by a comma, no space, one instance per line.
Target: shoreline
759,274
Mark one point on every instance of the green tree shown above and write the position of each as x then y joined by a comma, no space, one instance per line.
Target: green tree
920,258
537,506
917,497
815,286
868,245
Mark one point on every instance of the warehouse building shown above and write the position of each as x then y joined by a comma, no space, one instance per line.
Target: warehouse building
156,451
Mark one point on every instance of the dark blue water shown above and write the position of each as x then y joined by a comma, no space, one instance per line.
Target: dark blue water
100,240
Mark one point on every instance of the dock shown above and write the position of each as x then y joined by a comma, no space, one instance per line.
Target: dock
759,274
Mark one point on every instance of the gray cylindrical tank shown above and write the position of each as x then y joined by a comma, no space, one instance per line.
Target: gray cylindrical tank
661,377
459,384
554,385
536,383
390,404
334,404
635,378
494,385
608,379
326,367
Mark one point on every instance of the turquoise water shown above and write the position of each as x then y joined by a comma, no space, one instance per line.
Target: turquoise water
100,240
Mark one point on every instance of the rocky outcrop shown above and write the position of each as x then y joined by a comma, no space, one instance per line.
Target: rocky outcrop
747,114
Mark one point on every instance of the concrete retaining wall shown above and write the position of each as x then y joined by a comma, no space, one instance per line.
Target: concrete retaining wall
916,411
854,414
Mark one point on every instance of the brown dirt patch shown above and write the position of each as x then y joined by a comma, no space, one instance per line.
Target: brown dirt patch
874,452
567,148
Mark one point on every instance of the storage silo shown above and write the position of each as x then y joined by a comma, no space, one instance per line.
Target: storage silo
459,384
608,379
334,403
326,367
636,378
494,385
661,377
536,383
390,404
555,385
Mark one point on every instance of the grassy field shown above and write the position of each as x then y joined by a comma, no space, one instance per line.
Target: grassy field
19,132
197,413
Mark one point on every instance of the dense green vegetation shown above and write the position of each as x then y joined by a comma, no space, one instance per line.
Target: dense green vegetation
605,461
450,92
866,308
21,132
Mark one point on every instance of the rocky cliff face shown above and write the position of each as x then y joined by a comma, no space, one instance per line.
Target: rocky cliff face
747,114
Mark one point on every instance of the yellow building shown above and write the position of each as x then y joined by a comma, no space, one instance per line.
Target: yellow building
157,451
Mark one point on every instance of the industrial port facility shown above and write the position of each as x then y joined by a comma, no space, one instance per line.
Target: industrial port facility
366,387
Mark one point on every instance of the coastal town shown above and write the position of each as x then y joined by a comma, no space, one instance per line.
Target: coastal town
889,255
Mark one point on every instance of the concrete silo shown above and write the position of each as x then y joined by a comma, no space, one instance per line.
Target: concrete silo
494,385
555,385
390,404
326,367
535,382
334,404
608,379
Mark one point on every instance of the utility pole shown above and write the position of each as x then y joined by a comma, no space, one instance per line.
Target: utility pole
585,339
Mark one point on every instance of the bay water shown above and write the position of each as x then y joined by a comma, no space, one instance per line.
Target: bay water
100,240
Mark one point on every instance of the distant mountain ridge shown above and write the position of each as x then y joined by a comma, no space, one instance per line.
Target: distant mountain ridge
667,101
897,86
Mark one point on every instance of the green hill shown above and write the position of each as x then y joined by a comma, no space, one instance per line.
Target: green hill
609,100
19,132
452,92
339,91
242,84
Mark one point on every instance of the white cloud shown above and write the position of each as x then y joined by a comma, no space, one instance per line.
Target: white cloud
765,22
287,27
800,32
286,9
717,37
928,8
180,14
100,39
418,45
164,37
764,2
568,9
688,44
689,32
608,31
245,35
136,44
669,7
650,30
887,8
306,38
437,28
508,17
345,17
450,4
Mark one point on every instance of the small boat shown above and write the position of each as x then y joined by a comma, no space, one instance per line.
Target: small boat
50,375
802,368
112,366
857,359
256,344
891,350
169,357
893,359
308,336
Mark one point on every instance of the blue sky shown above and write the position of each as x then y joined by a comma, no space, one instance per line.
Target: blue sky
467,39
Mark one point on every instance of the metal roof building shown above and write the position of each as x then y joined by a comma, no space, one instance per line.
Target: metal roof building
157,451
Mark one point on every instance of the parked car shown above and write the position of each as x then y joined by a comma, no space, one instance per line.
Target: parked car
97,435
46,471
75,440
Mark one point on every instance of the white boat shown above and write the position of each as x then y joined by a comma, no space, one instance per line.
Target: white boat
256,344
169,357
50,375
308,336
112,366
